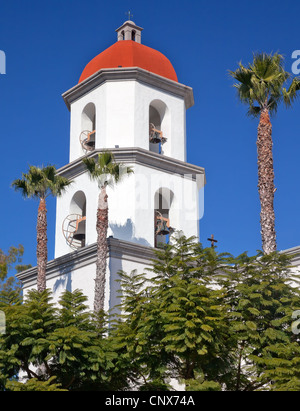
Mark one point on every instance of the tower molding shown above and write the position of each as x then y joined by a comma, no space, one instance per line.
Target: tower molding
129,73
86,256
137,155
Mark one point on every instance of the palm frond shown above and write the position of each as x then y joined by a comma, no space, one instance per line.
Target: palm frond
273,104
21,185
40,182
105,159
105,169
59,185
49,172
269,68
290,95
261,84
246,84
90,165
254,111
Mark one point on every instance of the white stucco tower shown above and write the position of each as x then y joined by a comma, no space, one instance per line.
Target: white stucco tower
128,100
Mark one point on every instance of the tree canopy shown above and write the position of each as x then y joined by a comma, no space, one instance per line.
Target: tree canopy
207,320
265,83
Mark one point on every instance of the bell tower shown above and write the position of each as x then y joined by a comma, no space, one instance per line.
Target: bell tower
129,101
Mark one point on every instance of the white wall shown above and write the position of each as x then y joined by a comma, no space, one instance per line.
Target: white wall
131,207
63,209
122,118
83,278
174,122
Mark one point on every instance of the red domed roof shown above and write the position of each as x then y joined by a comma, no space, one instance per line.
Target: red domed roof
128,53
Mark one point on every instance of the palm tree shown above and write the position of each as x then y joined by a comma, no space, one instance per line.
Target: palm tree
106,172
262,87
39,183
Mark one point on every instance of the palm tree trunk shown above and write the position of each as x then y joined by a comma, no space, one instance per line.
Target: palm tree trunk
102,225
41,250
266,186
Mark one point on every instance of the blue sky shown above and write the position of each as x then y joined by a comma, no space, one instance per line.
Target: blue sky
47,45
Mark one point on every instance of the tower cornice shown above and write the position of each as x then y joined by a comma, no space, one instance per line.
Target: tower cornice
86,256
136,155
125,74
129,23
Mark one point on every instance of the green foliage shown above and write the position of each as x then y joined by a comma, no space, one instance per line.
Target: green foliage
10,292
10,288
105,170
8,260
261,296
261,84
34,385
155,385
43,341
199,384
174,325
40,182
211,321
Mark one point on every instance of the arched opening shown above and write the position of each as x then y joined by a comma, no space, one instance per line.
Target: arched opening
78,204
74,225
158,126
88,127
162,225
133,35
122,35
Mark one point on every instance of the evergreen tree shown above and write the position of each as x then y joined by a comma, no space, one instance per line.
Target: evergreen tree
207,319
10,288
52,347
261,295
176,326
211,321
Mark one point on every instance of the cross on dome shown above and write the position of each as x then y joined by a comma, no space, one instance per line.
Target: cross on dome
130,15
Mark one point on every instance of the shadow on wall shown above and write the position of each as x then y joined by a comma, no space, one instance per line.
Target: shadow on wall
125,232
115,265
64,282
